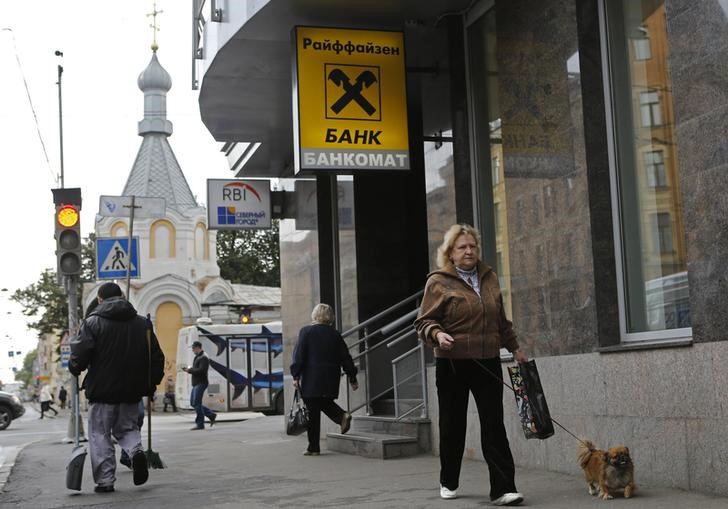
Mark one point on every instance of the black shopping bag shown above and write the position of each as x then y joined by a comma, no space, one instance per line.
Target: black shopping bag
531,401
297,416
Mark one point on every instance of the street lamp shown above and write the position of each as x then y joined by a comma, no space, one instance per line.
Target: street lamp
60,113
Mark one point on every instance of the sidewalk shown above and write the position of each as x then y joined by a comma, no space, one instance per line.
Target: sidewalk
253,464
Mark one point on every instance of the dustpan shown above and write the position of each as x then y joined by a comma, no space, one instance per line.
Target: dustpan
74,468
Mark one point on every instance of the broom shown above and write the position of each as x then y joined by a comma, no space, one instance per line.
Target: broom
153,458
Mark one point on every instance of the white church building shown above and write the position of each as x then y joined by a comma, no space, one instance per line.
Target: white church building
180,279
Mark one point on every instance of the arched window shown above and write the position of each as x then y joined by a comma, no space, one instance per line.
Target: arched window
162,239
119,229
202,249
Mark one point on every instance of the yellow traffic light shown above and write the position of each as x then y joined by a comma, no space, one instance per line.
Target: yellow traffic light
67,216
68,239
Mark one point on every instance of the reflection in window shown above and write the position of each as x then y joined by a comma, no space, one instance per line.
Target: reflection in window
499,262
651,238
349,313
495,167
650,109
641,44
655,169
497,218
440,189
662,228
488,133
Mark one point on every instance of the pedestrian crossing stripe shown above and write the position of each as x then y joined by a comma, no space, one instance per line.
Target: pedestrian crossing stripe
113,260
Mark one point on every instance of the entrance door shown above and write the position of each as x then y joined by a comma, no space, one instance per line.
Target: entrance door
239,374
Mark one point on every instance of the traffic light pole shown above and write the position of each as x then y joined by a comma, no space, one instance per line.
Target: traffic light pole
75,424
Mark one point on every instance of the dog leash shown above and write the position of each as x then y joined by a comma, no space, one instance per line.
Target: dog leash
582,442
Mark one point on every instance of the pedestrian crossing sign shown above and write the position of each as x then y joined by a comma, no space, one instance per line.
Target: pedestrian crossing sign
113,259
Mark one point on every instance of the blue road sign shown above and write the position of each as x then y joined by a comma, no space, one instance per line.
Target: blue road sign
113,260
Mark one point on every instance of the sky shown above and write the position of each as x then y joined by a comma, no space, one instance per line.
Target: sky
105,46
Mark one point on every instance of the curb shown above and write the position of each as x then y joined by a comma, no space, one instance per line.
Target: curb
7,465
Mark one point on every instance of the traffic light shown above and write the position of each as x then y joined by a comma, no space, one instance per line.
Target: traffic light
245,315
68,231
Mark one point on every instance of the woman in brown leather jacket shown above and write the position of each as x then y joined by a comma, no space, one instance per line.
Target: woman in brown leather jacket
463,319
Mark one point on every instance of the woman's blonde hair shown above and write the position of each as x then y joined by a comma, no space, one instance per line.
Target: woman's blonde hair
451,235
323,314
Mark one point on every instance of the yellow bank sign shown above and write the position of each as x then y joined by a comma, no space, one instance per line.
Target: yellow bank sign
349,100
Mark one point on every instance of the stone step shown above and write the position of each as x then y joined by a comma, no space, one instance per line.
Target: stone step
373,445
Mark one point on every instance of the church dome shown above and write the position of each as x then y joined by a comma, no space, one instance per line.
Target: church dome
154,77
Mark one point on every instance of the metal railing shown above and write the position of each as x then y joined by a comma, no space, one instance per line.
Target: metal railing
391,328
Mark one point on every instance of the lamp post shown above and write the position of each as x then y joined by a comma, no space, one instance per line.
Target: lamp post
60,114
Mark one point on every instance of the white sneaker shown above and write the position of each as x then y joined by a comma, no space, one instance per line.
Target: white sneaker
509,499
447,494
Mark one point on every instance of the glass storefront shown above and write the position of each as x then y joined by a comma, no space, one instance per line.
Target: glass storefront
530,170
347,252
440,188
300,290
650,229
482,43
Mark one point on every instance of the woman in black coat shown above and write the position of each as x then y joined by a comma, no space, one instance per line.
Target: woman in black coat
316,369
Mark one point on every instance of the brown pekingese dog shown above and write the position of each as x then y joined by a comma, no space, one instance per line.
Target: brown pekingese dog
606,470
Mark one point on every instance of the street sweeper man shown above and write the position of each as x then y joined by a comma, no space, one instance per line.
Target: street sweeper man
124,363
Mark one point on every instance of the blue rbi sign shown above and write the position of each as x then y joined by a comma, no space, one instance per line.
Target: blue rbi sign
113,259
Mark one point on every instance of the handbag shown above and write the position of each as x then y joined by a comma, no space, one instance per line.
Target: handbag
531,401
298,418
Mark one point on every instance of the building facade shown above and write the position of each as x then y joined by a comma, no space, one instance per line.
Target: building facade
585,139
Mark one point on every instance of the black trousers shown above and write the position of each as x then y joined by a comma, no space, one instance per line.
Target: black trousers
315,407
169,400
455,379
45,406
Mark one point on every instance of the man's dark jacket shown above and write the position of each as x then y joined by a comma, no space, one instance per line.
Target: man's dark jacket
112,344
199,368
318,358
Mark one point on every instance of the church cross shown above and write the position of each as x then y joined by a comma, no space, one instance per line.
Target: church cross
153,26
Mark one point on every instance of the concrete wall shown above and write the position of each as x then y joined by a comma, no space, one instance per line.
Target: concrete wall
667,405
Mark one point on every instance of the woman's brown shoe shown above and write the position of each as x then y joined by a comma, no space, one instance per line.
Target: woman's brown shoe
345,423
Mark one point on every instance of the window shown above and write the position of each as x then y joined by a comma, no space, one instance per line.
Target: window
662,229
119,229
202,251
655,169
497,218
649,233
499,269
162,239
650,109
495,170
641,44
